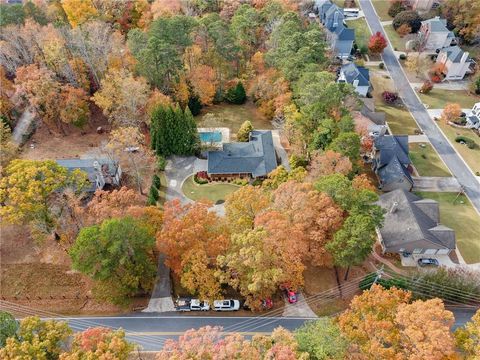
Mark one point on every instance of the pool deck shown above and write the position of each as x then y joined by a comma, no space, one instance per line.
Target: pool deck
223,130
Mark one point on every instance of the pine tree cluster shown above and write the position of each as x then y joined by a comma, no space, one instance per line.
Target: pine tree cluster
173,132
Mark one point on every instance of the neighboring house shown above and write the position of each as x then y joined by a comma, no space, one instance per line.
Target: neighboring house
424,5
358,76
411,226
391,162
339,36
456,62
434,35
102,173
253,159
473,117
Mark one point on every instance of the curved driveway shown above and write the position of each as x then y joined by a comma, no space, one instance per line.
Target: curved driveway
446,151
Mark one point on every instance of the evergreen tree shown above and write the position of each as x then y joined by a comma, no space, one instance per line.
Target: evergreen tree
194,105
244,131
175,131
193,139
236,94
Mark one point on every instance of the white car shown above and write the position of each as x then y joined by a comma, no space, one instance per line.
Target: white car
226,305
197,305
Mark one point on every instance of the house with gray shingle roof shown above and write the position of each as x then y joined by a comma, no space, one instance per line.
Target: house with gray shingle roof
456,62
434,35
412,226
473,117
253,159
102,172
339,36
391,162
357,76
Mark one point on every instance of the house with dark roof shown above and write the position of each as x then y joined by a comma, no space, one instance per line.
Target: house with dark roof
391,162
456,62
339,36
357,76
473,117
253,159
412,226
434,35
102,173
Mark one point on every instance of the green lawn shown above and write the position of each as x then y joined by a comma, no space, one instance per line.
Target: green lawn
232,117
426,160
438,98
399,118
461,217
362,32
471,156
397,42
381,7
213,192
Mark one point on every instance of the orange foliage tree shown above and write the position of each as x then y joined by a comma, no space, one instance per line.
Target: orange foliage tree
425,330
328,162
383,324
451,112
191,234
314,213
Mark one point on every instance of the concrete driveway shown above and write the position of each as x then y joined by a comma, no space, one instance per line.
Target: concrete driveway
161,299
451,158
436,184
298,309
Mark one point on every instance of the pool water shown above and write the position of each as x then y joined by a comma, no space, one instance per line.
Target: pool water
210,136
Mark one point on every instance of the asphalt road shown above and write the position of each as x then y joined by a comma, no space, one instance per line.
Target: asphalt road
150,332
448,154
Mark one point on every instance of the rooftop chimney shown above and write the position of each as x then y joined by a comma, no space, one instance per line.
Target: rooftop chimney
394,207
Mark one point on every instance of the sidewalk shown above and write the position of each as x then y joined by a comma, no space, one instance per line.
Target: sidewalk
455,86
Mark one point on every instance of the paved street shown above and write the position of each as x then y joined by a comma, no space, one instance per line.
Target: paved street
453,161
150,332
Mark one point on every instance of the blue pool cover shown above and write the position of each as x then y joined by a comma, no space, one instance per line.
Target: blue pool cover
210,136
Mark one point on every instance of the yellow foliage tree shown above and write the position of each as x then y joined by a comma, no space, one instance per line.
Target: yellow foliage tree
243,205
78,11
37,339
29,188
468,338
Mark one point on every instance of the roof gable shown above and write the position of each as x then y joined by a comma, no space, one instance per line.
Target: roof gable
407,227
256,157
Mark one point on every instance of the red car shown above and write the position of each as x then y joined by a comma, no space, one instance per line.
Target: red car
291,296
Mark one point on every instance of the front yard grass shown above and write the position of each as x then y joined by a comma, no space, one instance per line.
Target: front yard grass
459,214
397,42
362,32
438,98
381,7
471,156
398,117
426,160
212,191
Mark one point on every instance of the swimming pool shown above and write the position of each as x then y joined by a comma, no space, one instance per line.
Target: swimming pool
210,136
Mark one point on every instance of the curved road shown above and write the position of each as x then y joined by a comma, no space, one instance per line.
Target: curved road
446,151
